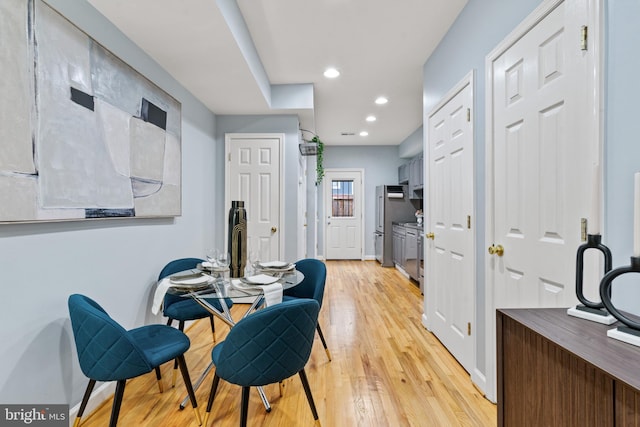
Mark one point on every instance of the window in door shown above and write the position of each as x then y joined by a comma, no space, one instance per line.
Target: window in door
342,198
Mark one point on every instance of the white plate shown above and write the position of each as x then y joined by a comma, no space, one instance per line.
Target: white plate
274,264
190,281
261,279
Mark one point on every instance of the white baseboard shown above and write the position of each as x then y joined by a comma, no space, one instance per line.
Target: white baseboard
369,258
101,393
401,270
425,321
479,380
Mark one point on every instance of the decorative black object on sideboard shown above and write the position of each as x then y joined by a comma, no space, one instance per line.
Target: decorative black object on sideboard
554,369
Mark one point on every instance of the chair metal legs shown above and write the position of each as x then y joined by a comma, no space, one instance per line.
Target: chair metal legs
212,395
85,400
244,408
159,378
213,328
117,402
244,405
187,382
324,343
307,390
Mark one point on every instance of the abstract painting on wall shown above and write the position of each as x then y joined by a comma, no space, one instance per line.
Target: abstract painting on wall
82,134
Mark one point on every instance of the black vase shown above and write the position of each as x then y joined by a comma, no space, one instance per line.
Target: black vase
237,238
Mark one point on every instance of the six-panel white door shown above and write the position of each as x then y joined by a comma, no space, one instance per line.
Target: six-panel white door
253,175
543,142
450,262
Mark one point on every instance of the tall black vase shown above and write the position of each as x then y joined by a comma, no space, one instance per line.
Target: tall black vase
237,238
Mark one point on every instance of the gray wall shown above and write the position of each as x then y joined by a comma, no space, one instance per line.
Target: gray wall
115,262
380,164
287,124
622,148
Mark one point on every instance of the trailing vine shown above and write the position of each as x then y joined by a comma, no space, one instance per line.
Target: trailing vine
319,159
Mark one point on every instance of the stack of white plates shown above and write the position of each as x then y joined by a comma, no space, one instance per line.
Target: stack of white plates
190,282
276,267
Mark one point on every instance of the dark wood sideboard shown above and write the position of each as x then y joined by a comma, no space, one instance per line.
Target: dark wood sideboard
558,370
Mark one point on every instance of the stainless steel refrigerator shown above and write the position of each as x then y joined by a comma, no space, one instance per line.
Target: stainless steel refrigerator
392,205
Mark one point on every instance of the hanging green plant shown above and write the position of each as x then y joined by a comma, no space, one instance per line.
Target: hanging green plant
319,159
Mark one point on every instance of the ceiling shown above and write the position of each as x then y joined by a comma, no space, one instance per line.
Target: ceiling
239,56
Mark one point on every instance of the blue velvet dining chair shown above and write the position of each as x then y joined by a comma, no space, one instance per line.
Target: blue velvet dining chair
312,286
267,347
183,309
108,352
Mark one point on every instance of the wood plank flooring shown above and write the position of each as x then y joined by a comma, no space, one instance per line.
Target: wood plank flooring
387,369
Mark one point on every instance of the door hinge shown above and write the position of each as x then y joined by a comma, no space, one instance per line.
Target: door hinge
469,328
584,33
229,157
583,229
469,222
468,114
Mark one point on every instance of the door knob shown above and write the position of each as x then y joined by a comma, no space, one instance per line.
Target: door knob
430,236
496,250
273,229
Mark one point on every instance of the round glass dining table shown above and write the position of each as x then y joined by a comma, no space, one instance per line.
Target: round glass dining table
241,290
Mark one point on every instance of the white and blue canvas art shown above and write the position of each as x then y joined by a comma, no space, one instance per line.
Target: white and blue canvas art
82,134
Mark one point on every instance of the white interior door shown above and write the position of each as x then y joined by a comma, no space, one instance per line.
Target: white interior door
254,176
343,201
543,139
450,264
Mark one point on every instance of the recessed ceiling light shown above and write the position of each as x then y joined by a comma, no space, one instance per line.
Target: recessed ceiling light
381,100
364,133
331,73
371,118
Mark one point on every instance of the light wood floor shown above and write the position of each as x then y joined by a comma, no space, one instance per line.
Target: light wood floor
387,369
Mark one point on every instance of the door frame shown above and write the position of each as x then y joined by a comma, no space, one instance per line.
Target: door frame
595,105
467,80
228,140
362,206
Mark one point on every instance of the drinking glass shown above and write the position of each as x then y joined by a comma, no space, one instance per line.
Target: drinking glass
252,262
223,260
212,257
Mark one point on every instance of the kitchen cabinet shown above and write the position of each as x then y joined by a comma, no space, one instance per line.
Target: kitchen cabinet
403,173
398,245
407,247
411,252
416,178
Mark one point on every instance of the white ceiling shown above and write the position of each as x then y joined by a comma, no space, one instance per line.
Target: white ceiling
379,46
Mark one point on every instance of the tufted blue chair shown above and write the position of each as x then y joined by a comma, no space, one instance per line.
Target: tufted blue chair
108,352
182,309
267,347
315,276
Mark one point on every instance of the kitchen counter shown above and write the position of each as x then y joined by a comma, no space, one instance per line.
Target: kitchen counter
407,248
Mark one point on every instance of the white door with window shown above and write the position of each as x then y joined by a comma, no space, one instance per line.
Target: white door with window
253,175
343,200
450,227
542,140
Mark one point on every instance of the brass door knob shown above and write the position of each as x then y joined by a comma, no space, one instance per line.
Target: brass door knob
496,250
273,229
430,236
